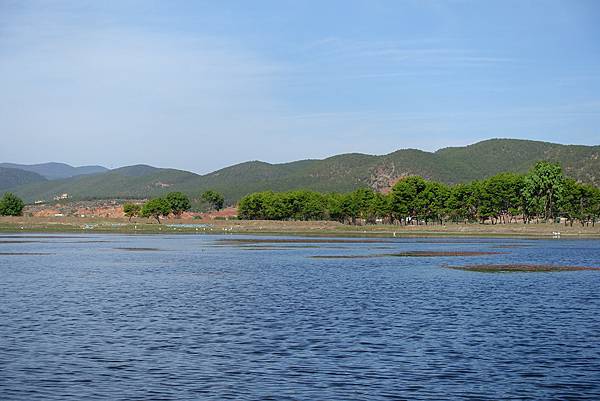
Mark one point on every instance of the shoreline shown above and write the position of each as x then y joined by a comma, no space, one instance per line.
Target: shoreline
304,228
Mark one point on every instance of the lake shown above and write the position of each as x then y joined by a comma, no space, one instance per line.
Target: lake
187,317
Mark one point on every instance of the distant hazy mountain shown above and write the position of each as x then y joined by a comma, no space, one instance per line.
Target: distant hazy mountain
338,173
54,171
12,177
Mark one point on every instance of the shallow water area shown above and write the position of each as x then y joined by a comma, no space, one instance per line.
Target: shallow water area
188,317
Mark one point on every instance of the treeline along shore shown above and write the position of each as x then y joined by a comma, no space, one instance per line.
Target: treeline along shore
543,194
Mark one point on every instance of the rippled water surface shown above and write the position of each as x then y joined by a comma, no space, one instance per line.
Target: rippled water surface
192,317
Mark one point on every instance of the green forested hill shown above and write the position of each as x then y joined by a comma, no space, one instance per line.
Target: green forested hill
338,173
12,177
497,155
128,182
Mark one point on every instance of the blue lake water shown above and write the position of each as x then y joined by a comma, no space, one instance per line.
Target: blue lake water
85,317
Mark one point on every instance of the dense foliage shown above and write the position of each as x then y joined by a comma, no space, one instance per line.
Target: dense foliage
543,193
131,210
214,199
173,203
178,202
11,205
157,208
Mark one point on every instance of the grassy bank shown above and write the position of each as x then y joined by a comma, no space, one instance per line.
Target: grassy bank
144,226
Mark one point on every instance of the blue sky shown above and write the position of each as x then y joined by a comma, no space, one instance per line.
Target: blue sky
202,85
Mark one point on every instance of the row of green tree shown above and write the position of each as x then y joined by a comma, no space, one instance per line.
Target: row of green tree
174,203
544,193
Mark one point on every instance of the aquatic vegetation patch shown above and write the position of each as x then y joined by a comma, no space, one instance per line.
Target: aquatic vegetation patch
19,241
272,248
238,241
509,246
132,249
32,241
25,253
452,241
503,268
267,247
409,254
345,256
81,242
442,253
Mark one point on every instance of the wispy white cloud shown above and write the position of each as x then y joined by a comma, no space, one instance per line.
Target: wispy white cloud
430,52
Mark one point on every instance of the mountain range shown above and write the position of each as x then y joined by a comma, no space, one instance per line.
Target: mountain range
54,171
339,173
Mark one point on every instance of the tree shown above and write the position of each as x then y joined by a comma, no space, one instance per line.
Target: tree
500,197
406,198
362,204
542,186
178,203
592,208
579,201
304,205
11,205
214,199
131,210
380,207
156,208
462,202
569,201
433,200
252,207
334,207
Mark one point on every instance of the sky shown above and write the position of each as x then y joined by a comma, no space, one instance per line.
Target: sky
200,85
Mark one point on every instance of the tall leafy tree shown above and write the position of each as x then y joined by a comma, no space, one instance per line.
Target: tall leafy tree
349,208
380,207
592,209
406,198
156,208
334,207
362,204
11,205
307,205
432,201
214,199
462,202
501,196
253,206
570,201
131,210
542,186
178,202
579,202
